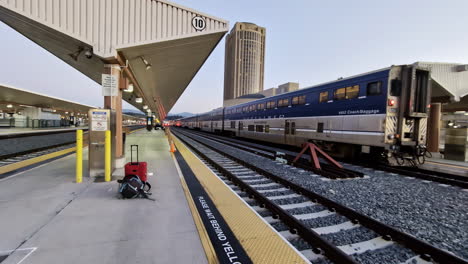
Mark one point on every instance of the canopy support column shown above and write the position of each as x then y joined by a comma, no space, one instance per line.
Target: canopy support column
433,128
115,103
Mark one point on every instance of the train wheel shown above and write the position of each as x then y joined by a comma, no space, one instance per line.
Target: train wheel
421,158
399,159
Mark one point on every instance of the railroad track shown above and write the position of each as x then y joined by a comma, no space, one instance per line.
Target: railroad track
440,177
22,155
326,171
434,176
320,228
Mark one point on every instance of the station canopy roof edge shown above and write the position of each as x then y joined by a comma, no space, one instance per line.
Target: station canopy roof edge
25,98
21,99
173,40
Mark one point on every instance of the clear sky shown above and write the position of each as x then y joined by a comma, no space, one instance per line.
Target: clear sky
307,41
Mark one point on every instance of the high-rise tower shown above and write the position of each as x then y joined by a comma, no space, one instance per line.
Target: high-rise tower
244,60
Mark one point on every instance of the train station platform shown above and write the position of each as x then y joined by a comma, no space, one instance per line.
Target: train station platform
446,166
47,218
196,218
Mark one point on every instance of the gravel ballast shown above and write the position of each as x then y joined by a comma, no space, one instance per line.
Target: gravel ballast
429,211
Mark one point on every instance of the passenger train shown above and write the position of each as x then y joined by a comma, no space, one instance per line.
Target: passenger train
382,113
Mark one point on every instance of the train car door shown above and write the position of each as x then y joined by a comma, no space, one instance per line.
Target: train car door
239,128
329,128
289,132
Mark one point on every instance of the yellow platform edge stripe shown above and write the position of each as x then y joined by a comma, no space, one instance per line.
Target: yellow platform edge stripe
447,165
204,237
28,162
260,241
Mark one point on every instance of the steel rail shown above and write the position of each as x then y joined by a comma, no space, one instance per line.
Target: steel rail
440,177
426,250
326,171
33,134
450,179
329,250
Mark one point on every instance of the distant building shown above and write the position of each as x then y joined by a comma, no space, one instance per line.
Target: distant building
244,60
283,88
287,87
242,99
269,92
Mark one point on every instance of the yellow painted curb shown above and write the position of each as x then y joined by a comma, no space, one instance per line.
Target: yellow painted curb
24,163
204,237
259,240
28,162
135,130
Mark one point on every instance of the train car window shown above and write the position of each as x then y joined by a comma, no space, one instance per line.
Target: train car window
396,88
261,106
320,128
233,124
352,92
302,99
267,129
295,100
374,88
241,126
271,104
283,102
259,128
323,97
293,128
251,128
286,128
339,94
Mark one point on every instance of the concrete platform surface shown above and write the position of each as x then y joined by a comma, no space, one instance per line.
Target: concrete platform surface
446,166
47,218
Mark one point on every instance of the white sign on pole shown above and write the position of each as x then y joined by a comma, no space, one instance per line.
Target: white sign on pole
110,85
99,121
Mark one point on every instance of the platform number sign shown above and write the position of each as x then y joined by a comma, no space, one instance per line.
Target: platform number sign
198,23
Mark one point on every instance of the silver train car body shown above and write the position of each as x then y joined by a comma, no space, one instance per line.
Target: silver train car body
390,120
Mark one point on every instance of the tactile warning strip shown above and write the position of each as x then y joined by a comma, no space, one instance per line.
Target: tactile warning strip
260,241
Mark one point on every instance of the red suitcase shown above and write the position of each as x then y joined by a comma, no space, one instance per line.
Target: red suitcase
137,168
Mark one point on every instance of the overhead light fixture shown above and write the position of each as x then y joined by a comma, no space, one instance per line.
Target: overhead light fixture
75,54
145,107
66,112
139,100
147,64
54,110
9,106
129,88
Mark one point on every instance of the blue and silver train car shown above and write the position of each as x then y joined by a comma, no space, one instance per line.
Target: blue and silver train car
381,112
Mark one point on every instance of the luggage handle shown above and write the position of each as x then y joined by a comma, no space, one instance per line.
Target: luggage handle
131,155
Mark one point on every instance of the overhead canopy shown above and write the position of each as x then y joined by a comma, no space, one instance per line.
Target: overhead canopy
19,97
449,81
159,32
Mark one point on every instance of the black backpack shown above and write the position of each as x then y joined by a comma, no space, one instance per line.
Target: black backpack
132,187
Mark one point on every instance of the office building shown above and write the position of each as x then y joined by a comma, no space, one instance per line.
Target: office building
244,60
